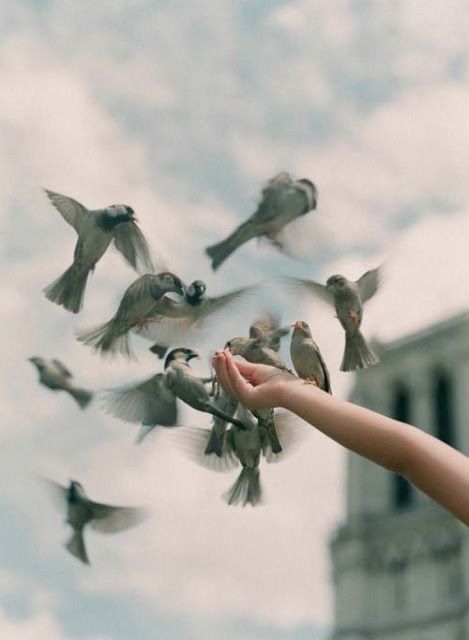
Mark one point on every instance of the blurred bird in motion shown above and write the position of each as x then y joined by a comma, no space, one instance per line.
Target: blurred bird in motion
153,402
263,344
283,200
82,511
348,298
55,375
306,357
96,230
176,319
141,300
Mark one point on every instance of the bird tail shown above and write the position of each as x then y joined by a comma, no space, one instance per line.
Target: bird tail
110,338
357,353
220,252
76,546
246,489
82,396
69,290
266,419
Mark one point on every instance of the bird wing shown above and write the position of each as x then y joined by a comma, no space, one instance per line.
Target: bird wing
131,243
265,324
369,283
290,431
72,211
149,402
267,208
62,368
192,442
319,290
214,304
56,491
327,377
109,519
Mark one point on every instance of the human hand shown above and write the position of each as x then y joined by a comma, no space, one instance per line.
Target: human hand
256,386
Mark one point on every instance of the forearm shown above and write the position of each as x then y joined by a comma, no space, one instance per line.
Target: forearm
437,469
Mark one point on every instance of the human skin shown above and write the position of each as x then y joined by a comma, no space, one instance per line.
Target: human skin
428,463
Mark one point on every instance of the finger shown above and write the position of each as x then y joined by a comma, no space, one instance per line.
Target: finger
219,364
241,387
246,369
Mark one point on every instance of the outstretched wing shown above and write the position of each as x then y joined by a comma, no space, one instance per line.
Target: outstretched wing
192,442
318,290
290,430
109,519
62,368
57,492
267,209
369,283
214,304
265,324
72,211
131,243
149,403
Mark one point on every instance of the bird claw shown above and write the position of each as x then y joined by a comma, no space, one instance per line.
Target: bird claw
310,381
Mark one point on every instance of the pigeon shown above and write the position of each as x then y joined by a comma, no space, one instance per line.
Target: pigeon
153,402
96,230
306,357
283,200
82,511
348,298
141,300
55,375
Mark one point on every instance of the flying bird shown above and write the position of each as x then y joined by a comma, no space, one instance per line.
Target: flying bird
229,406
306,357
141,300
55,375
153,402
81,511
96,230
348,298
283,200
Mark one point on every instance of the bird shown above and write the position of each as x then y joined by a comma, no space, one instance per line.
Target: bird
348,298
241,446
283,200
228,405
96,230
81,511
267,329
54,375
306,357
153,402
176,319
141,300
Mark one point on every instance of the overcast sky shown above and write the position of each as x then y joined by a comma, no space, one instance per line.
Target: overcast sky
183,111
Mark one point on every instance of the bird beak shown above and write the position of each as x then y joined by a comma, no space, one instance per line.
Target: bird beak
295,325
192,355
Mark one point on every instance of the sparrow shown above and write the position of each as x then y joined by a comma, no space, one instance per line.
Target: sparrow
153,402
348,298
243,447
283,200
175,318
306,357
55,375
140,301
82,511
267,329
229,406
96,230
263,343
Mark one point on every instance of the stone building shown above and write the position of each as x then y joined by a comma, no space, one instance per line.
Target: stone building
400,562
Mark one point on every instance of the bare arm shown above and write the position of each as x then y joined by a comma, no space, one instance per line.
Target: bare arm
434,467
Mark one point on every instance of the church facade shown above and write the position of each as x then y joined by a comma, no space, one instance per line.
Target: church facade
400,563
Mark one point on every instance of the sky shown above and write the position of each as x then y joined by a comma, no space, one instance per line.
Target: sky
184,111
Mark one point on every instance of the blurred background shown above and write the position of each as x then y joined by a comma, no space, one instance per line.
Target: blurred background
183,111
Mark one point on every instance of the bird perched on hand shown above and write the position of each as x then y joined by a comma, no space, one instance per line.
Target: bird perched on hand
348,298
283,200
176,318
153,402
140,301
306,357
263,343
55,375
82,511
96,230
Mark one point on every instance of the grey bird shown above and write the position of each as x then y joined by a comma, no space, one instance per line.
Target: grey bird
140,301
243,447
306,357
153,402
348,298
54,375
229,406
263,343
175,319
283,200
96,230
81,511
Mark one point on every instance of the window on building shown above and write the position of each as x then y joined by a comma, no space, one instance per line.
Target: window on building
403,493
444,408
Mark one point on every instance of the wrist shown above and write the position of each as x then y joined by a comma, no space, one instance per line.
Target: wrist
285,391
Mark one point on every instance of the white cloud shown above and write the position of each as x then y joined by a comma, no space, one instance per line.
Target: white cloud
40,625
